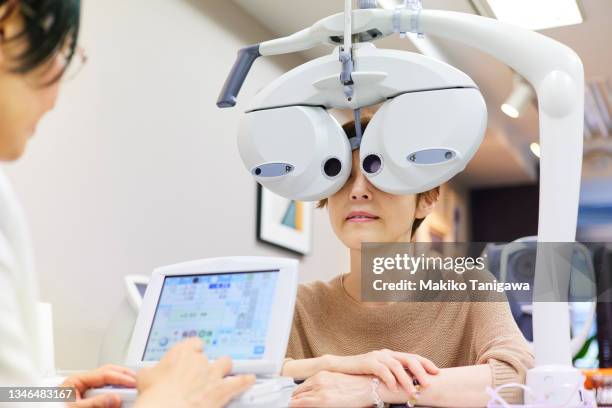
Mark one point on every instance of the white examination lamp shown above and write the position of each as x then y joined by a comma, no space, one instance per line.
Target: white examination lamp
556,74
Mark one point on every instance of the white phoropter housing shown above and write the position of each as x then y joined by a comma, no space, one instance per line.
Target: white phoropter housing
406,148
555,72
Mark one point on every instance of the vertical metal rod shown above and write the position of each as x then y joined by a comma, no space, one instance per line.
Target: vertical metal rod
346,54
348,9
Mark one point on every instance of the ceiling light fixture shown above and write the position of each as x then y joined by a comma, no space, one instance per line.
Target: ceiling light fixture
522,94
535,149
531,14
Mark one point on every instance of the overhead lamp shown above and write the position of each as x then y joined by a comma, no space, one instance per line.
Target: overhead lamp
522,94
535,149
532,14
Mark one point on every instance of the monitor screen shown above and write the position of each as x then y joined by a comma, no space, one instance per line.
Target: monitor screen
228,311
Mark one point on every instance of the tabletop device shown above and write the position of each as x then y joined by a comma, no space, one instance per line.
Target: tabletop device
240,307
136,287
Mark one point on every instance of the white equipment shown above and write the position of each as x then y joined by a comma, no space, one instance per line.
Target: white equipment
293,147
240,307
117,338
136,287
299,151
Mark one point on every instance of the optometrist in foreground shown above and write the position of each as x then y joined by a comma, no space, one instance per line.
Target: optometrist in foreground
37,50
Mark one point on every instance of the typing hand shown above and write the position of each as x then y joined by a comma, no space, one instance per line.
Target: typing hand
106,375
184,378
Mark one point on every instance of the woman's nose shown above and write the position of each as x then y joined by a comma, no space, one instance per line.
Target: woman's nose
360,190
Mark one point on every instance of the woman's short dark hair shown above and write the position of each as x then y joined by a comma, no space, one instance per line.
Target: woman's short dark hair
48,27
430,195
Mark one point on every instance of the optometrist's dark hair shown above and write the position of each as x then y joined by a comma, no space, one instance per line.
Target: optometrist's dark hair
429,195
48,26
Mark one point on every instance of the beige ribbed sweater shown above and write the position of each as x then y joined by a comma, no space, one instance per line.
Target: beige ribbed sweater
451,334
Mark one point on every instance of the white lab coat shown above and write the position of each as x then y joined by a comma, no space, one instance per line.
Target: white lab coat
20,355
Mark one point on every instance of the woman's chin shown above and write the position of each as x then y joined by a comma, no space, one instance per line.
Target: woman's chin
355,238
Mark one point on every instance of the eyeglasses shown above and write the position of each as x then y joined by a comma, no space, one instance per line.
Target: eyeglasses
66,65
63,67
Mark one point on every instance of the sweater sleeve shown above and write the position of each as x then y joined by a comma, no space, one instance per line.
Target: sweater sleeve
499,343
296,348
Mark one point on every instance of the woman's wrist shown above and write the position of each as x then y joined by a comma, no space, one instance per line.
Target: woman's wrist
392,397
327,362
302,369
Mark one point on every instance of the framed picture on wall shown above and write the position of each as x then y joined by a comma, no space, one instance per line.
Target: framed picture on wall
284,223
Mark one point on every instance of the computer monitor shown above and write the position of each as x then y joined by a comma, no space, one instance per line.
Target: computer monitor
228,311
240,307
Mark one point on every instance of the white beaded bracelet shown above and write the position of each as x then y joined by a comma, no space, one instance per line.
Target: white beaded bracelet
378,402
414,398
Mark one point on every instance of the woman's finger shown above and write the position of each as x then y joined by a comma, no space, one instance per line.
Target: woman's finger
306,386
99,378
230,387
190,345
115,378
400,374
307,400
417,371
119,369
220,368
429,365
385,375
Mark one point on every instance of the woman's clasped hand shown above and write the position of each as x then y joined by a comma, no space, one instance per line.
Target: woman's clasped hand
347,380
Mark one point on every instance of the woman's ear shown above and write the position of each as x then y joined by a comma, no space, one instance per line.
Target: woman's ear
8,11
426,202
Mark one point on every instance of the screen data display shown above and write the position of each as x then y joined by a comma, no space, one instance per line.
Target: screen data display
230,312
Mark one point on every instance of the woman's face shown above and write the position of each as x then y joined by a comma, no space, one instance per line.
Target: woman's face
360,212
24,98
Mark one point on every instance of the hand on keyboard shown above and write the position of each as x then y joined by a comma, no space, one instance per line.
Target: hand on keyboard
185,378
109,375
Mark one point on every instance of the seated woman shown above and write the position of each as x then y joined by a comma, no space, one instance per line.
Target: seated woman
340,344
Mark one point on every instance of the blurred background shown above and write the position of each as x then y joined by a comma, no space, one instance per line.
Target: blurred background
137,168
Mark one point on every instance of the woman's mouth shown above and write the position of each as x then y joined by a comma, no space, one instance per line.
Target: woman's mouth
360,216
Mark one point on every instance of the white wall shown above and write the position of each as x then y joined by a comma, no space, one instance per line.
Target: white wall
136,167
